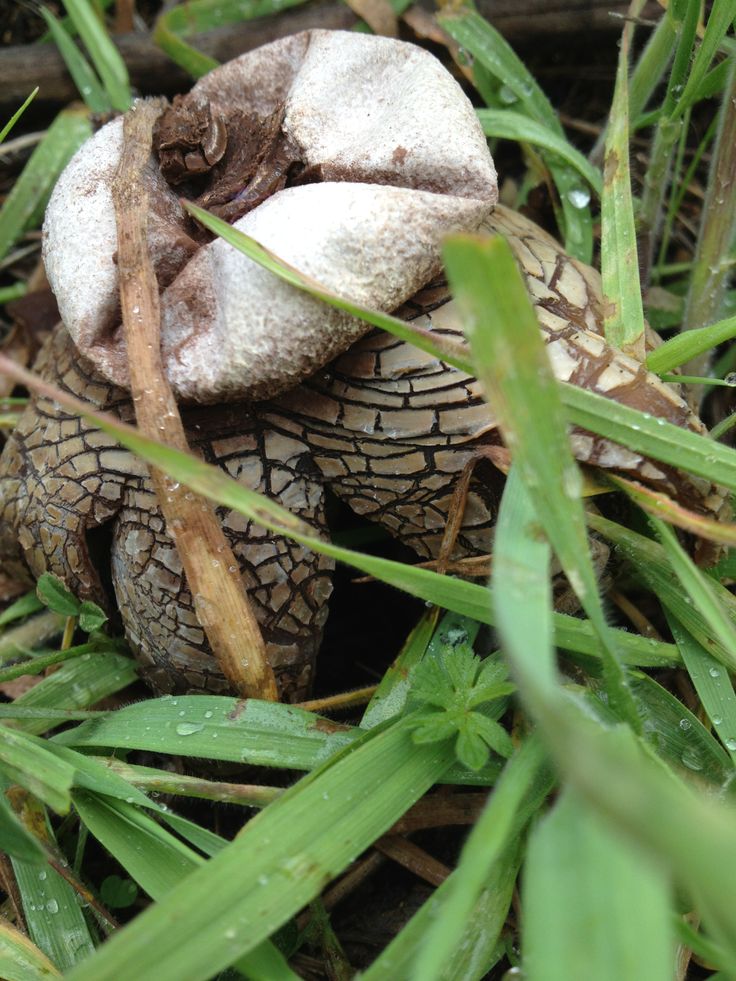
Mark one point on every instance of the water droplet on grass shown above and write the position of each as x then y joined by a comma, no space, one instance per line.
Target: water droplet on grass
188,728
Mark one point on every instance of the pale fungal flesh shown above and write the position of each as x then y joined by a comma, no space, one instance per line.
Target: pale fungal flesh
402,162
382,425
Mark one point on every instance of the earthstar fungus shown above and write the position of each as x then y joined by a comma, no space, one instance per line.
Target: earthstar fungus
395,160
350,157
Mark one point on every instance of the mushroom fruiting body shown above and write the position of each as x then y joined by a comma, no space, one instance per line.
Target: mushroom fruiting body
396,160
400,162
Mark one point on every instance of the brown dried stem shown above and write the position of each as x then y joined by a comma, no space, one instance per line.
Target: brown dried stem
220,599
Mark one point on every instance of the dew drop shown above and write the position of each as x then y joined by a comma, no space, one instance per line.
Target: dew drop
691,760
579,197
188,728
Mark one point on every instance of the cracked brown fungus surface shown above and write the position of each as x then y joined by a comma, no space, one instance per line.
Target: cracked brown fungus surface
320,146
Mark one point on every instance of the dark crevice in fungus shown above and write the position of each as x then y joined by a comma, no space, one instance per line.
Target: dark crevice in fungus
228,162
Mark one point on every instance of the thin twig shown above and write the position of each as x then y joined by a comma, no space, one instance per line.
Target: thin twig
220,600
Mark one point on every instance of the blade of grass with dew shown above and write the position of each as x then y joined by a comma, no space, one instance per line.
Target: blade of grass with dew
649,562
695,838
639,431
510,125
426,640
105,56
150,854
722,16
697,586
217,727
157,862
485,845
90,774
52,912
712,683
669,132
88,85
21,960
76,685
622,311
477,950
680,349
281,860
476,36
594,907
517,377
17,114
27,199
466,598
677,735
25,760
182,21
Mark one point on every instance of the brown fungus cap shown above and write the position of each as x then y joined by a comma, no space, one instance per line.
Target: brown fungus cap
394,159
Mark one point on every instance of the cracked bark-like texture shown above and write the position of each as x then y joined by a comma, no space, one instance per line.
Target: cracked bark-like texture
62,477
387,427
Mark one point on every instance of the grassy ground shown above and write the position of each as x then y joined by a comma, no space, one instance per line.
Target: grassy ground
607,845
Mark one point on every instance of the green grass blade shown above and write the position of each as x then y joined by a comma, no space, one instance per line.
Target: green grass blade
154,781
157,862
650,436
510,125
105,56
76,685
27,761
17,114
594,907
650,563
21,960
712,683
217,727
722,17
280,861
54,917
682,348
678,736
652,64
512,363
698,587
476,36
88,85
486,843
152,856
623,311
185,20
22,607
27,199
